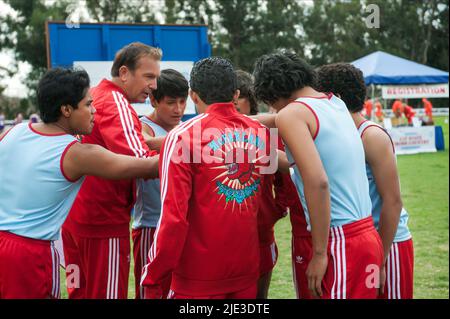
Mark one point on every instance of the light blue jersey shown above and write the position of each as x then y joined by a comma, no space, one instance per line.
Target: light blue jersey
342,155
35,196
403,232
148,200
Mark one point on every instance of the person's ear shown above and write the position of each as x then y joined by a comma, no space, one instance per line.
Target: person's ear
194,97
123,73
66,110
153,101
236,96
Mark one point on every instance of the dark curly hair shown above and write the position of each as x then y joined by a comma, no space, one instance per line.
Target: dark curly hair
214,80
345,80
60,87
171,83
279,74
245,86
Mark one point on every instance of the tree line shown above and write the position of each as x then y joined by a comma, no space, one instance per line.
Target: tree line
322,31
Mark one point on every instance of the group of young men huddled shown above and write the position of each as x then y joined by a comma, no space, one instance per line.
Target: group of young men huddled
203,195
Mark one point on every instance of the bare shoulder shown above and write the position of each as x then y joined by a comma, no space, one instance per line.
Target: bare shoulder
376,141
295,112
147,129
376,135
78,149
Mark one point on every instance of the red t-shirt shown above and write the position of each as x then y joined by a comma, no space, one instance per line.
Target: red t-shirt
428,108
368,107
409,113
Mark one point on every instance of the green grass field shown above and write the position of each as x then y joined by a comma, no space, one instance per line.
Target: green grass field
424,181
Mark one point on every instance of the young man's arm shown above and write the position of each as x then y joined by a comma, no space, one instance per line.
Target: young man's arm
283,163
170,235
89,159
381,158
267,120
297,126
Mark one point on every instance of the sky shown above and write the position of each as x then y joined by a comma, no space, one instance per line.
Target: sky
14,85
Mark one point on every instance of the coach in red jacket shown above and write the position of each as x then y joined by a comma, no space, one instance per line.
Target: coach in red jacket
211,171
96,235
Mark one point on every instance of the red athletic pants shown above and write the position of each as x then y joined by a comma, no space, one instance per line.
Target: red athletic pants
142,241
96,268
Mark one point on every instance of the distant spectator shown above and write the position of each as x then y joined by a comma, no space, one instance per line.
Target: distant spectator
246,103
368,106
2,121
34,118
428,119
379,114
409,113
18,119
397,110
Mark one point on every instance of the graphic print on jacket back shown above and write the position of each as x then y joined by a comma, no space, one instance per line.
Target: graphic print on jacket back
238,177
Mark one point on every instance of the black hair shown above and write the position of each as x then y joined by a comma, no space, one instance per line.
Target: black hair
59,87
130,54
279,74
171,83
345,80
245,86
214,80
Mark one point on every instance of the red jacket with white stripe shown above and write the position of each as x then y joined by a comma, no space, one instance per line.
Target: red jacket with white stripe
207,236
103,207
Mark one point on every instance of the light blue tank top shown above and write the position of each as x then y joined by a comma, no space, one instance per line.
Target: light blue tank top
35,197
403,232
342,155
148,199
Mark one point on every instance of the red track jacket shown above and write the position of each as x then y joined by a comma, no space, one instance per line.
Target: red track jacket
207,235
103,207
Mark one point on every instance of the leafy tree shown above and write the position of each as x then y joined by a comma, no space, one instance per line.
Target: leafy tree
25,35
136,11
323,31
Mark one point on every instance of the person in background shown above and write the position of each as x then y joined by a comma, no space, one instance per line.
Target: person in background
389,216
246,103
428,107
379,114
272,206
2,121
169,103
409,113
368,107
18,119
34,118
397,112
